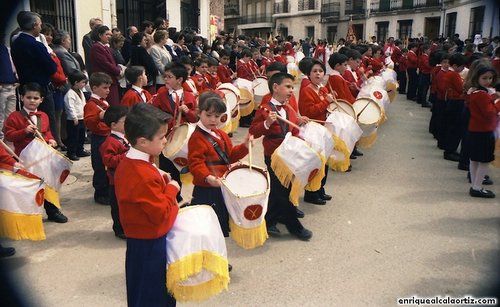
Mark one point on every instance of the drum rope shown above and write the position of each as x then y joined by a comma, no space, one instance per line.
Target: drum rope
334,94
10,151
357,117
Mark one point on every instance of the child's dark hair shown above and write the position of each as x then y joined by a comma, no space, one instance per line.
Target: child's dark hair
263,49
305,65
222,53
185,60
212,62
114,113
278,79
277,50
354,54
336,58
133,73
76,76
276,66
362,48
32,87
444,56
457,59
246,53
479,68
178,70
200,62
211,101
315,62
98,78
344,50
144,120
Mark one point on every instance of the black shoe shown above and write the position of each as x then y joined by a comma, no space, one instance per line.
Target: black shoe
357,153
300,213
73,157
229,267
352,157
487,180
83,153
349,169
463,167
273,231
7,251
230,134
303,234
451,156
326,196
120,235
58,217
62,147
102,200
317,200
481,193
426,105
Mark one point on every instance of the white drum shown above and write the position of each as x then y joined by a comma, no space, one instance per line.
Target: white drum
246,193
346,132
299,55
197,266
246,101
232,97
369,115
176,149
342,106
260,88
319,138
298,165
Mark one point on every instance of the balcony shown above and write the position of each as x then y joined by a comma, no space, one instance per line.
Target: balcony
330,11
307,5
231,10
356,12
282,7
396,5
262,18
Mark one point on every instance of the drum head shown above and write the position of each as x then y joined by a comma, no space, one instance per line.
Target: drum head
231,98
255,182
342,106
260,86
230,87
367,110
175,140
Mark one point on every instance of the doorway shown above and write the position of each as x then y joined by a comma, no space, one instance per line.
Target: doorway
432,27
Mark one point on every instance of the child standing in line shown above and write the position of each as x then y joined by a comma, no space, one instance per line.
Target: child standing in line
199,77
74,101
225,74
113,150
484,109
147,205
337,83
136,75
210,155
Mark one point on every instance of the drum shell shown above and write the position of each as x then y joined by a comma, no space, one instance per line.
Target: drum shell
176,149
368,113
319,138
342,106
260,88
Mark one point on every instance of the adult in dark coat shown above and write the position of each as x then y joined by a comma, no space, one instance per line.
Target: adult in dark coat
87,41
140,56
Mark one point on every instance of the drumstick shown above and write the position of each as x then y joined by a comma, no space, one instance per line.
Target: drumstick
10,151
335,99
357,117
37,133
284,119
179,116
250,151
317,120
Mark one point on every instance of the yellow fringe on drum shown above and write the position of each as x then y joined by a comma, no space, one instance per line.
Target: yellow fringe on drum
383,117
235,123
51,195
315,183
193,264
248,238
227,128
18,226
367,141
187,178
247,109
496,162
286,177
337,165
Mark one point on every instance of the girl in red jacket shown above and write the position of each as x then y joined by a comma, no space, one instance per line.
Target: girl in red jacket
484,111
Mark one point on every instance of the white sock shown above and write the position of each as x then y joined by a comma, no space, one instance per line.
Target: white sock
482,169
473,166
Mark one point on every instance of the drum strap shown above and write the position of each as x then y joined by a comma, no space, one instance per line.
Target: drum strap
38,120
172,104
222,155
283,125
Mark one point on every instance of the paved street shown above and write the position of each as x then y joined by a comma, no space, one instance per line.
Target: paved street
400,224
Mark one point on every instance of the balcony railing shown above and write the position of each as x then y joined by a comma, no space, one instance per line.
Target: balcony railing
330,11
262,18
231,10
305,5
356,12
394,5
282,7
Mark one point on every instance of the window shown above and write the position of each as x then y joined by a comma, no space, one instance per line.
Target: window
305,5
476,21
451,24
60,14
331,33
310,32
405,29
382,31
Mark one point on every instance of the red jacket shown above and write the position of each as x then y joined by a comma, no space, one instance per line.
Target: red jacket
423,64
292,102
267,61
201,155
288,46
435,71
441,84
5,157
243,70
396,55
454,86
147,204
91,118
201,83
340,85
353,84
403,63
213,80
483,111
496,64
14,132
273,136
112,151
132,97
163,102
312,104
224,73
412,59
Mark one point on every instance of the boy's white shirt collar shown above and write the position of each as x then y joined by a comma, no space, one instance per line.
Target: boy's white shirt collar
99,98
137,89
137,154
119,134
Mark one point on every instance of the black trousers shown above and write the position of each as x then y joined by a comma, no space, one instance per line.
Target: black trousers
75,137
279,204
401,76
424,80
169,167
115,212
437,123
411,93
453,124
48,107
99,179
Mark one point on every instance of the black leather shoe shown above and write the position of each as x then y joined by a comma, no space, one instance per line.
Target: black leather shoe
352,157
349,169
273,231
300,213
451,156
481,193
463,167
229,267
487,180
121,235
357,153
426,105
326,197
303,234
62,147
102,200
73,157
83,154
7,251
315,200
58,217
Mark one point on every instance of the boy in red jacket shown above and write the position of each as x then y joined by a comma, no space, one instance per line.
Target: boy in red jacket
136,75
337,83
424,77
113,150
412,60
148,209
226,74
93,113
